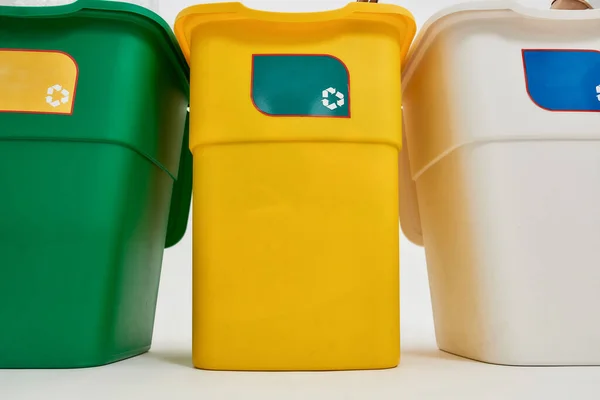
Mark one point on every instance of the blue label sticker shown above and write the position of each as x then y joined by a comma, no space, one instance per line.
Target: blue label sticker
300,85
563,80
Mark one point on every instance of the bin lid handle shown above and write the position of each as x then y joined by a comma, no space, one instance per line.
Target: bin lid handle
182,193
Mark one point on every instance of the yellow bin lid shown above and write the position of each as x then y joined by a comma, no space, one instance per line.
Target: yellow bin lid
192,17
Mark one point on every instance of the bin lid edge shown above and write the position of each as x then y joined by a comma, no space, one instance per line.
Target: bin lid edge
478,9
237,10
175,53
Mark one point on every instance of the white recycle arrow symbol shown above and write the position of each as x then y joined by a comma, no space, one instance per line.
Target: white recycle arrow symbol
50,98
333,105
65,94
598,91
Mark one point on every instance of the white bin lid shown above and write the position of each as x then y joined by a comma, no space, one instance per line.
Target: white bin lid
481,10
149,4
409,208
594,3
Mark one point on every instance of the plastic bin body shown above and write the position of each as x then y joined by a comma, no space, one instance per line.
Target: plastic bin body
149,4
295,207
501,116
87,185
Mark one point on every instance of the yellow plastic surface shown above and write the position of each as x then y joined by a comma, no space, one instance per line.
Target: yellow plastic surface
36,81
296,236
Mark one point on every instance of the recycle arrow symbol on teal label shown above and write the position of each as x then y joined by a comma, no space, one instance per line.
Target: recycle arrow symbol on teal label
332,105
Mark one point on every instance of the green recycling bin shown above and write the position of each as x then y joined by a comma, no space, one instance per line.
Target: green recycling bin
95,179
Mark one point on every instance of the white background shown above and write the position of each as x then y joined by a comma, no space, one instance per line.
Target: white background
425,373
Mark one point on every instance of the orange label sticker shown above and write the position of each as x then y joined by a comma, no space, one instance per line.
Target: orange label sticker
40,82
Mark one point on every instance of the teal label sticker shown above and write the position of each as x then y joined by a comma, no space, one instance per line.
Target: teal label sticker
286,85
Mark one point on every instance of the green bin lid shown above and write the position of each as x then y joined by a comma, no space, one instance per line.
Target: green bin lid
124,11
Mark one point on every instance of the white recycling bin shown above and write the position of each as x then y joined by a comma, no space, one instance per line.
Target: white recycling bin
501,180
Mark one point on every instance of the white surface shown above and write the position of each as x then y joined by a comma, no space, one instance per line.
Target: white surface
425,373
507,191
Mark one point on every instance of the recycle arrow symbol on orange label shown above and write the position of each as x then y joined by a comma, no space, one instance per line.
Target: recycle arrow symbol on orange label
57,89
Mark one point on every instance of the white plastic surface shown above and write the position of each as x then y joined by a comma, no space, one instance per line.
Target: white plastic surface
508,193
149,4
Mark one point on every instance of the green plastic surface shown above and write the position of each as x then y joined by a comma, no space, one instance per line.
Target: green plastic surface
90,200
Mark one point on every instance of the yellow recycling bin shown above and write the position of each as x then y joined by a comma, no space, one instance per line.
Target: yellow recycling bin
295,132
